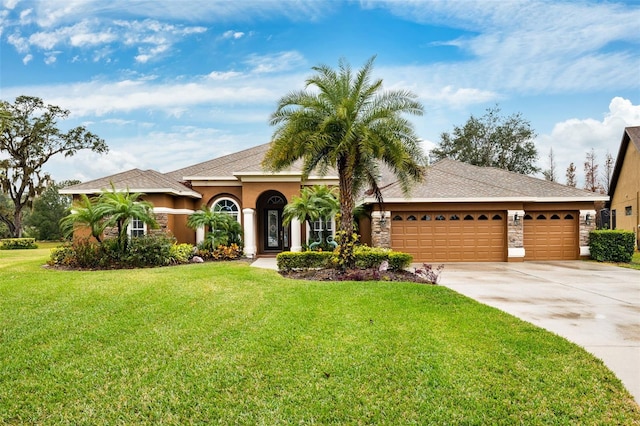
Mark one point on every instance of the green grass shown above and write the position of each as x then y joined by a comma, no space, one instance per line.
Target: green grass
635,261
229,344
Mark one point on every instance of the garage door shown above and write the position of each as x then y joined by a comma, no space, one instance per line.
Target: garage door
551,235
450,236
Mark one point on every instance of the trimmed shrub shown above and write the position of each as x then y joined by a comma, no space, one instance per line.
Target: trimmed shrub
611,245
149,250
290,261
372,257
18,244
365,258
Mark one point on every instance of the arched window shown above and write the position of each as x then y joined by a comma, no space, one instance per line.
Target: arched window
541,217
569,216
397,217
496,217
228,206
528,217
411,217
454,217
468,217
483,217
425,217
440,217
555,217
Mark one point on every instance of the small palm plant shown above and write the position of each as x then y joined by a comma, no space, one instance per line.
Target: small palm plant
318,202
221,228
84,214
120,208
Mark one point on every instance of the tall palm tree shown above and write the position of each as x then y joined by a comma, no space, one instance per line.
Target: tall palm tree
84,214
120,208
348,123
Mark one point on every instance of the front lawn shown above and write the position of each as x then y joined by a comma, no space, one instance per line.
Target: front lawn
229,344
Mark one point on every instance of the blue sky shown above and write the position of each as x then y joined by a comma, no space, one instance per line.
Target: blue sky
169,83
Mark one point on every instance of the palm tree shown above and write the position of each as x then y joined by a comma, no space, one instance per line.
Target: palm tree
222,228
349,124
318,202
84,214
120,208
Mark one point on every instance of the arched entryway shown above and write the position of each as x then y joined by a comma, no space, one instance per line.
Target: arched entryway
273,236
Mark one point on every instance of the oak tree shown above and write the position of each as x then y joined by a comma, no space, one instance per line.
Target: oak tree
29,137
492,141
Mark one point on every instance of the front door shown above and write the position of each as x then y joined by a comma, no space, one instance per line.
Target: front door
273,239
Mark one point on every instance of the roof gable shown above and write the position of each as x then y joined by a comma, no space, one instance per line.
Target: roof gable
134,180
630,134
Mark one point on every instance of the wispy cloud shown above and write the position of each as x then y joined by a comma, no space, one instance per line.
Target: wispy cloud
282,61
533,46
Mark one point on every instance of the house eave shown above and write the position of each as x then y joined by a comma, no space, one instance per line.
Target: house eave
372,200
191,194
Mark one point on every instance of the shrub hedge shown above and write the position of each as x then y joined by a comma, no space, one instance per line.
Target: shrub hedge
611,245
365,258
18,243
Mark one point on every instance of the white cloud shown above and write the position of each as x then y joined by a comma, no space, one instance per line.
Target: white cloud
534,46
233,34
283,61
573,138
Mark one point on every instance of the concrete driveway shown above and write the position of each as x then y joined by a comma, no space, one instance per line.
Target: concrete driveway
596,306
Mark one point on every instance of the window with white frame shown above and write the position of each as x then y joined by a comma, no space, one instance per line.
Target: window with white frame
137,228
227,206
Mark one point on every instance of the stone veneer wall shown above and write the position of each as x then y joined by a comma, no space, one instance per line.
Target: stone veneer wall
381,229
586,229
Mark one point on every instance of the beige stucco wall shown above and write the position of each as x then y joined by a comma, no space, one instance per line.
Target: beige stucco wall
627,193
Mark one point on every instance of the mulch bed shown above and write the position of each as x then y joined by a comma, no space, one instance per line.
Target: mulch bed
354,275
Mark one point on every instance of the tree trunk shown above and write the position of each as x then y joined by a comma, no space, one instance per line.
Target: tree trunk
346,258
17,223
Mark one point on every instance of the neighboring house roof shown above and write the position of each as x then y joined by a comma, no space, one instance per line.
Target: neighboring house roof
450,180
631,134
135,180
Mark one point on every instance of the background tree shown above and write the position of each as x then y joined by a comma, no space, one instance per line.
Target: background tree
492,141
571,175
609,164
48,209
591,179
348,123
6,209
550,173
29,138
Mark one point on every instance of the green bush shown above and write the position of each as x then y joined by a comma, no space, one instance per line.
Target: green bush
289,261
18,243
181,253
371,257
365,258
147,251
611,245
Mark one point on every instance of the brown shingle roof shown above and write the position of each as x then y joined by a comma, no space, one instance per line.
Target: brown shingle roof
135,180
452,180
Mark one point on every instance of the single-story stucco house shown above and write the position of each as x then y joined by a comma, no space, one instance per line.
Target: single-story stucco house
459,213
624,191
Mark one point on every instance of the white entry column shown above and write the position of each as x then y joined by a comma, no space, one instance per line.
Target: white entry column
296,239
249,216
199,234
